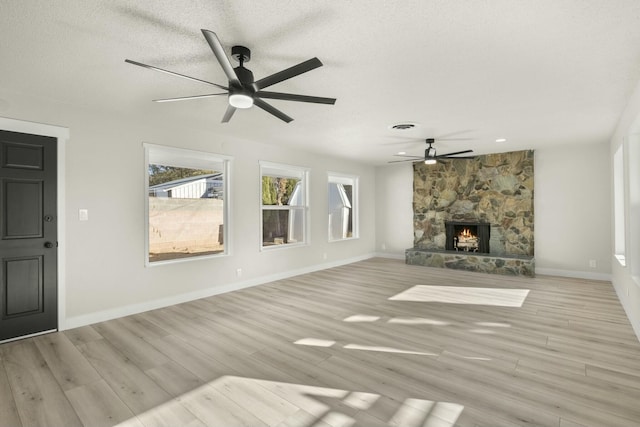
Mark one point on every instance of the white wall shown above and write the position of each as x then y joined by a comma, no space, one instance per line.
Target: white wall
626,278
571,197
572,203
105,272
394,209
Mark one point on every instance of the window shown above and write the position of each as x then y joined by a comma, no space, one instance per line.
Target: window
186,204
284,206
633,209
343,207
619,205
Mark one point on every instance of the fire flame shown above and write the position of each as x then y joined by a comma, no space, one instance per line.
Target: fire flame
466,233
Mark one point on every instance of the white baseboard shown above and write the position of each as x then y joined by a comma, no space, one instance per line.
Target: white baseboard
101,316
574,274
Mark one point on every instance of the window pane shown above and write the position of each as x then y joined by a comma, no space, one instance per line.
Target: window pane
284,204
280,191
282,226
633,233
186,212
342,207
348,189
340,212
619,205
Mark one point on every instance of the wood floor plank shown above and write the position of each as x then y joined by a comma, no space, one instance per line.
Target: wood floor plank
39,398
215,409
65,361
142,328
82,335
137,349
98,405
8,410
302,418
174,379
127,380
613,377
195,361
266,406
170,414
584,401
152,405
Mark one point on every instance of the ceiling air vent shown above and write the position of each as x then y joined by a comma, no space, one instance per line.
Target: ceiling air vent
402,126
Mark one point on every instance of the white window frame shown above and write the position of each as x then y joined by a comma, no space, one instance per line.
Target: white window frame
354,181
632,155
619,204
284,170
181,157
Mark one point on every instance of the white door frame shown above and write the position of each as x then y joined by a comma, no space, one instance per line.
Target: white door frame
62,134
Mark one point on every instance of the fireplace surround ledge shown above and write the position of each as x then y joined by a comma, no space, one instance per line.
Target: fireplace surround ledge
507,265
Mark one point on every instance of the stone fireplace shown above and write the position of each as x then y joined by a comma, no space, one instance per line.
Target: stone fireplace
475,214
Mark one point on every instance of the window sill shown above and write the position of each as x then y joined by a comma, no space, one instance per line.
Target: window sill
185,259
276,247
621,259
345,239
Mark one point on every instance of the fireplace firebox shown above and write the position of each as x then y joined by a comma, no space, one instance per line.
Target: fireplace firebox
467,236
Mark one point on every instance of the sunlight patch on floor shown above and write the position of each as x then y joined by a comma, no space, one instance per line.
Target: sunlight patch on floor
238,401
448,353
417,321
426,413
315,342
360,400
361,318
385,349
464,295
494,324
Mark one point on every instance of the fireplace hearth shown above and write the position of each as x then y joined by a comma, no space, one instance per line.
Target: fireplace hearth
471,237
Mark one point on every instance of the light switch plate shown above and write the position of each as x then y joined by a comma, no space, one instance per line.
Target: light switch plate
83,214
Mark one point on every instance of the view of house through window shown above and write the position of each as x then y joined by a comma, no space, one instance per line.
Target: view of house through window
186,204
283,204
343,220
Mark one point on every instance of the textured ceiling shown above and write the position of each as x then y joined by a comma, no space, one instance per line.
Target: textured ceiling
537,72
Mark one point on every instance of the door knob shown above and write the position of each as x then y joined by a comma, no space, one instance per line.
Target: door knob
48,245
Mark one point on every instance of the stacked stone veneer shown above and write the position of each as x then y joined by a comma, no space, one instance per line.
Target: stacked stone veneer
494,188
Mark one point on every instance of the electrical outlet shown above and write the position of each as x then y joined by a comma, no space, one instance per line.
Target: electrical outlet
83,214
324,255
593,263
238,272
384,247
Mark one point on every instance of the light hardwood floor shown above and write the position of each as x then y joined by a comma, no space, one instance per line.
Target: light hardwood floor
372,343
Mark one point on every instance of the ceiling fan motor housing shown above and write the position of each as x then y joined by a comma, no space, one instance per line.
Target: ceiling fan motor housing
241,53
429,152
245,76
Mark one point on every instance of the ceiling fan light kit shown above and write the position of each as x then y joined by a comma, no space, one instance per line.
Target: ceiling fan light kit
240,100
430,156
243,91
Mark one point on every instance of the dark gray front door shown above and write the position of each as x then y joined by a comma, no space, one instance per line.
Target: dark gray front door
28,234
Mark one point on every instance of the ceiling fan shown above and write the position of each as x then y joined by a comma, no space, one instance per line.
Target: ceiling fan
430,156
243,91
